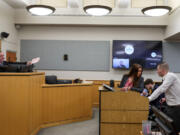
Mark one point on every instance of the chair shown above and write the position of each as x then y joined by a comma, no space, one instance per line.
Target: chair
52,79
64,81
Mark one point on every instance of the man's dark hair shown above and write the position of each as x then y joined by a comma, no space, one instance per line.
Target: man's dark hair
148,81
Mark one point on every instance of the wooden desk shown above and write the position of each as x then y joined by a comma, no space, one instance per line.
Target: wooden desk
121,113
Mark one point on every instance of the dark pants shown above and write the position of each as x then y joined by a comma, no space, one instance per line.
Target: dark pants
174,113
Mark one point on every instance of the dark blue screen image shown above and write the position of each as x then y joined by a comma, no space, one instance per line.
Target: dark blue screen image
127,52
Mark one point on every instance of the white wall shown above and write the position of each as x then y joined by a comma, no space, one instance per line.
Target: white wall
93,33
174,24
7,25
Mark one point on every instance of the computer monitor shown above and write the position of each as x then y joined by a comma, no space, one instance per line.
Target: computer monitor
107,87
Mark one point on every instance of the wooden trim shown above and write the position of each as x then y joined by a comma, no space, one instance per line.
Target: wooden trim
36,131
65,85
11,51
65,122
22,74
59,123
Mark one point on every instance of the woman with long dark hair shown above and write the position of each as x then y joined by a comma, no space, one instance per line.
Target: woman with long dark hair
133,80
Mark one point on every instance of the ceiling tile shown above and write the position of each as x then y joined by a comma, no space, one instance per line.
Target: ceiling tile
109,3
145,3
55,3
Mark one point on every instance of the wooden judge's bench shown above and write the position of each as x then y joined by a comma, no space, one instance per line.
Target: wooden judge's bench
122,113
28,104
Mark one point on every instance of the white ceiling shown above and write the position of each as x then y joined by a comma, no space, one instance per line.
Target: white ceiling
74,7
75,3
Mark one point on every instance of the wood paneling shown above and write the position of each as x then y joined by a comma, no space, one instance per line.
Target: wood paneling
20,101
35,103
95,94
123,116
122,112
124,101
66,102
120,129
10,56
27,104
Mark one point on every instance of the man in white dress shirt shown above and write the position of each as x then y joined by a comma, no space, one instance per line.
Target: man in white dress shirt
171,88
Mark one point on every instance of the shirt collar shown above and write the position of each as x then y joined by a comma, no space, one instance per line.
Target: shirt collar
165,76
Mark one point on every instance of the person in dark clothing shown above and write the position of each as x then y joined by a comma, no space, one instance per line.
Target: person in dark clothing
16,66
160,102
150,87
133,80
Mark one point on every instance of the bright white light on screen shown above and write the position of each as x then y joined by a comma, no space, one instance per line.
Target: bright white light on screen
129,49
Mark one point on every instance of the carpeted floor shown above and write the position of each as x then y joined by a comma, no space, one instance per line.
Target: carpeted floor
89,127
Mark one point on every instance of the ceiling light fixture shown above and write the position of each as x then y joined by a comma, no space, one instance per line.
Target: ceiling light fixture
98,7
97,10
156,10
40,10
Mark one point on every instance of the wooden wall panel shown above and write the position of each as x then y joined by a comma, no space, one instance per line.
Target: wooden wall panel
96,85
129,100
120,129
27,105
123,116
122,112
14,103
19,114
35,103
66,102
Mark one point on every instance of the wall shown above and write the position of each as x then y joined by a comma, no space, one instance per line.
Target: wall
174,24
118,17
93,33
7,25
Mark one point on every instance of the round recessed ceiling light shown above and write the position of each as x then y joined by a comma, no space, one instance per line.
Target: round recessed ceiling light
97,10
156,10
40,9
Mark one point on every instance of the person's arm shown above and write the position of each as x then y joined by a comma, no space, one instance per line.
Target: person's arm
140,87
145,92
162,88
16,63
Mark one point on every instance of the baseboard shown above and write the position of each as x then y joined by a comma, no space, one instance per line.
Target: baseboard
65,122
35,131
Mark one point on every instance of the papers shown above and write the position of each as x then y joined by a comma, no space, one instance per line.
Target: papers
35,60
